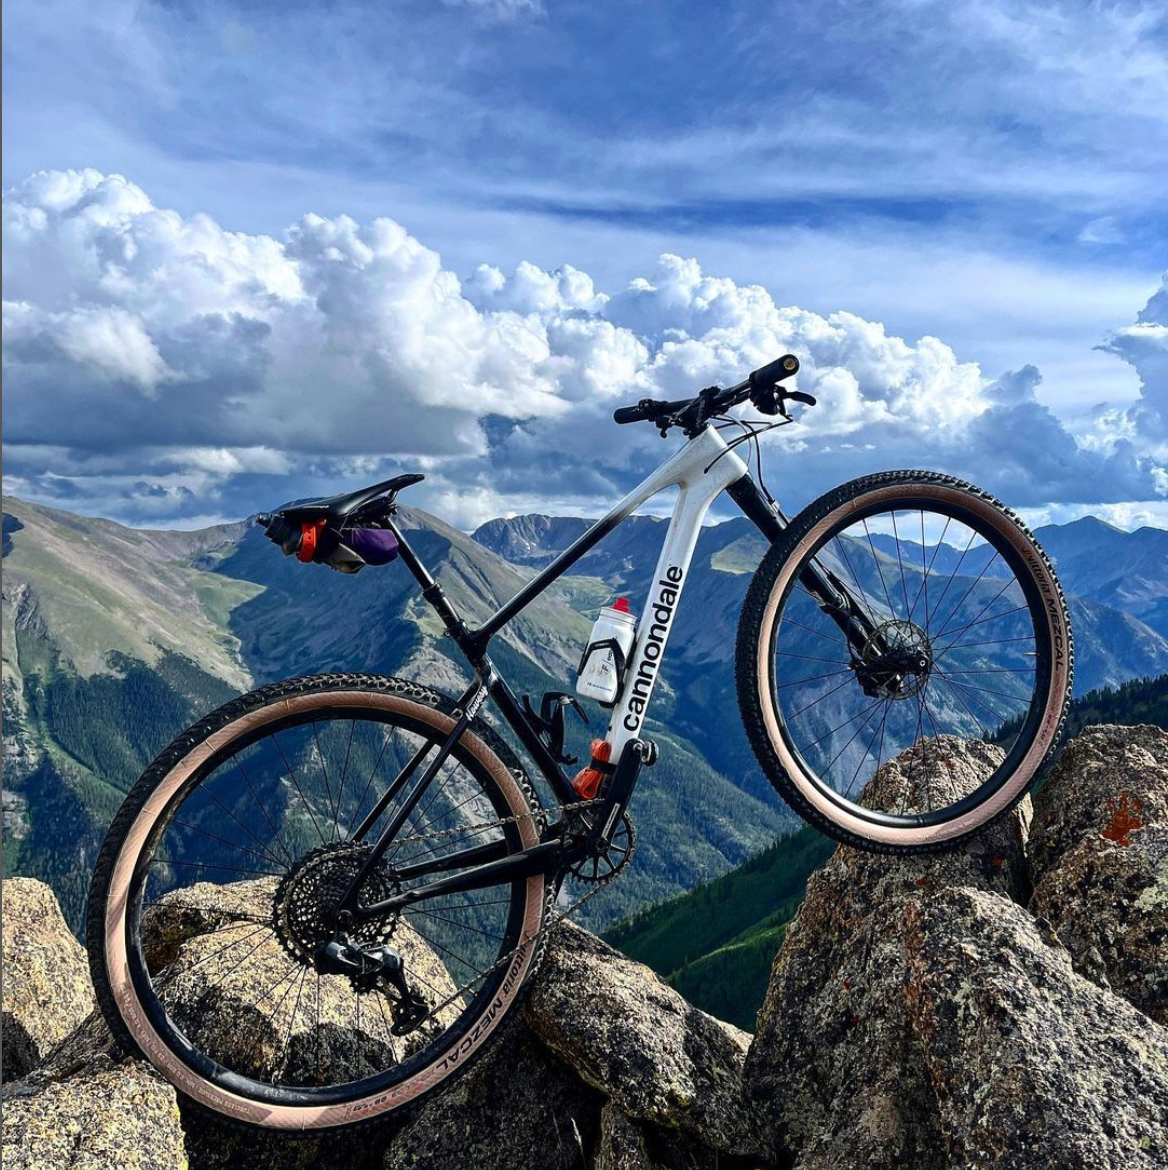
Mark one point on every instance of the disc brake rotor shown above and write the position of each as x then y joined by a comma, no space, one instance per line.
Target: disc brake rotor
896,660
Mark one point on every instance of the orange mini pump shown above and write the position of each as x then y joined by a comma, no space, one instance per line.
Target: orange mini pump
589,779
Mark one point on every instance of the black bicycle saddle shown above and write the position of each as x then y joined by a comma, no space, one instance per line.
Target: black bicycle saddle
333,509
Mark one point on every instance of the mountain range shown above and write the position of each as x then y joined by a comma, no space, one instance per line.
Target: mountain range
115,638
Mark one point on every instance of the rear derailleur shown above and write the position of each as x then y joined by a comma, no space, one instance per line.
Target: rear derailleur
378,968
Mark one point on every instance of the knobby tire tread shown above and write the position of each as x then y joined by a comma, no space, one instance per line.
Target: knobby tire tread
750,630
175,751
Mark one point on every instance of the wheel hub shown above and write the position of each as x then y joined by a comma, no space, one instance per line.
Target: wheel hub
304,911
896,661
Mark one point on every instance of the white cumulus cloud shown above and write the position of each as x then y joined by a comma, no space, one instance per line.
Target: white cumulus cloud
149,350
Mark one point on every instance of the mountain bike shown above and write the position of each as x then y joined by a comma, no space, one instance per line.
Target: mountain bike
378,851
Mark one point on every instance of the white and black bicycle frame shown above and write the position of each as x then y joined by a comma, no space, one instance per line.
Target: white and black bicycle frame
700,471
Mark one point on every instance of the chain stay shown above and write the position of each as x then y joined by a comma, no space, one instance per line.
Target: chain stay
555,917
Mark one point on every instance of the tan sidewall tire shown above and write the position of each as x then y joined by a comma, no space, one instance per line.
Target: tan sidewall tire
298,1117
932,835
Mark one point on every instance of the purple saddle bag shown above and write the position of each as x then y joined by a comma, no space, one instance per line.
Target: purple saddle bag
375,546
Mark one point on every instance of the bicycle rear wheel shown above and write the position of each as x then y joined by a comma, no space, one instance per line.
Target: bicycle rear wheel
969,655
216,891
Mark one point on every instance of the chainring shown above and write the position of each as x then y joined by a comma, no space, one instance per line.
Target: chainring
606,866
303,910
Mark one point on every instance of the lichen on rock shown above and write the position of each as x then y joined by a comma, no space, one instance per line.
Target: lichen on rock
1100,857
640,1043
47,992
1029,1063
992,1006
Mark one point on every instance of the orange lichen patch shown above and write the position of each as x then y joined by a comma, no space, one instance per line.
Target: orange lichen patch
1125,819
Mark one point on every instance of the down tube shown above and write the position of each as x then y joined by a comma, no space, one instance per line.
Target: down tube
661,607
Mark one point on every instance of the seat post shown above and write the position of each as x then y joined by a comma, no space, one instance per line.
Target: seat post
432,591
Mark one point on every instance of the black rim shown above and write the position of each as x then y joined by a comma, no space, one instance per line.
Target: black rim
488,983
901,596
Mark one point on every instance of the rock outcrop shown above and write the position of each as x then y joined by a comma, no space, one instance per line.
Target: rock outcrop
605,1065
998,1005
919,1014
47,992
1100,857
81,1105
108,1114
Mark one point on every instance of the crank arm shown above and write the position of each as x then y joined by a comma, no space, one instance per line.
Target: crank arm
616,797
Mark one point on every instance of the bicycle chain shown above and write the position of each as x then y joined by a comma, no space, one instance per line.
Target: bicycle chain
554,917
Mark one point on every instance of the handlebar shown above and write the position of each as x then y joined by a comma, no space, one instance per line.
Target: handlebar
648,409
761,387
766,376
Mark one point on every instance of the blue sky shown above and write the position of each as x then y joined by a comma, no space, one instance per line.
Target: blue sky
990,174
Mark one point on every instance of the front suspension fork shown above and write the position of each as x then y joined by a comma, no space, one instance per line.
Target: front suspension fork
832,596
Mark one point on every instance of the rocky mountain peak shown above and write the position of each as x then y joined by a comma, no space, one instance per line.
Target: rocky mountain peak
999,1005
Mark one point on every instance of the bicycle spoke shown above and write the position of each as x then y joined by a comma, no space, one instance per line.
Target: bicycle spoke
856,773
900,561
327,785
812,658
210,865
814,678
880,571
224,841
956,637
972,585
206,791
452,921
369,782
344,773
259,804
883,704
819,700
291,776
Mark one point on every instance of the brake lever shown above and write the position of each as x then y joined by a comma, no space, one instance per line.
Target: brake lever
783,396
799,396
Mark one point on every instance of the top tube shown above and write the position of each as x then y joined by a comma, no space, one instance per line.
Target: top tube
706,460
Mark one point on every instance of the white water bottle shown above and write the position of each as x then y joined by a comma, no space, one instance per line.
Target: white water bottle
609,646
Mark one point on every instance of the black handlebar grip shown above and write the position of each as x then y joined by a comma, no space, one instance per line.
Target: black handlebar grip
766,376
630,414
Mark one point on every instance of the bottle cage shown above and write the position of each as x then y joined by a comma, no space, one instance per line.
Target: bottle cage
618,657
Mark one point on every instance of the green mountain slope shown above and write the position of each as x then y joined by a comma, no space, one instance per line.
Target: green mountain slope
112,643
716,944
116,639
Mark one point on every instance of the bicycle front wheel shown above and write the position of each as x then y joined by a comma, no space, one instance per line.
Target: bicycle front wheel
966,652
215,900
